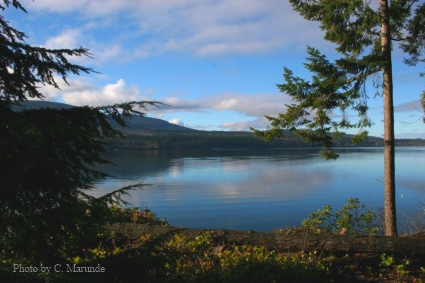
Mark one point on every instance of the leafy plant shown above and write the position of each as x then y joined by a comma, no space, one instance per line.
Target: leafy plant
351,218
198,260
136,215
388,261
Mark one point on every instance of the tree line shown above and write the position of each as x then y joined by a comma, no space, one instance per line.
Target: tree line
232,140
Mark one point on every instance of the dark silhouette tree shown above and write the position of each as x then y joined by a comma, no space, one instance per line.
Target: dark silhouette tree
47,155
364,37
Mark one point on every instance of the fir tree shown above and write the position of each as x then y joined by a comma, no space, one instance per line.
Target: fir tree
47,155
364,37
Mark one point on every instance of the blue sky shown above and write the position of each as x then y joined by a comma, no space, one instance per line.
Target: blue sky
215,63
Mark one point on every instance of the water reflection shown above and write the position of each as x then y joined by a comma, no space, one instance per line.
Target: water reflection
257,190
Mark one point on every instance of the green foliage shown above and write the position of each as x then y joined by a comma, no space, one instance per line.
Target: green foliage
198,260
389,262
206,258
136,215
351,218
201,258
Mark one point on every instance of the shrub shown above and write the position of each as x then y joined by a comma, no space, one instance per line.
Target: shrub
352,218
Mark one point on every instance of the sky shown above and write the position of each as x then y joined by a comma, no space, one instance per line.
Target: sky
215,63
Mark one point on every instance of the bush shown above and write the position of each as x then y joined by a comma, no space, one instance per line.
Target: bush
352,218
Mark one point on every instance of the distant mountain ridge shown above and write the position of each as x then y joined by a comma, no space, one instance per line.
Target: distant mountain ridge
36,104
152,133
136,123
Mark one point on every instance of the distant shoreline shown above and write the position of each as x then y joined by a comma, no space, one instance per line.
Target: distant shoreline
167,140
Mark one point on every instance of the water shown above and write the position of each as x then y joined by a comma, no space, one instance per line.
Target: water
261,190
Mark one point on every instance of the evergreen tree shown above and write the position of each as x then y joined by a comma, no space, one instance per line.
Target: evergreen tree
364,37
47,155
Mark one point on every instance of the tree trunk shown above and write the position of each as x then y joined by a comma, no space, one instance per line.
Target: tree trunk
390,222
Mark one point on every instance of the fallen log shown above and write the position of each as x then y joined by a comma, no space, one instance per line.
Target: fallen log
328,243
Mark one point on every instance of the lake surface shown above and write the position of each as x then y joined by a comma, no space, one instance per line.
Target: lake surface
261,190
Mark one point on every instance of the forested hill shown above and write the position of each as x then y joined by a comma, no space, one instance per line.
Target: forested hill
151,133
137,123
230,140
37,104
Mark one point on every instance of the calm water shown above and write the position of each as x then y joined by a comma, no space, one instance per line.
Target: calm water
261,190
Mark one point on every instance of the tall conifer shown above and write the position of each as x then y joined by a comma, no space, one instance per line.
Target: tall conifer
364,37
47,155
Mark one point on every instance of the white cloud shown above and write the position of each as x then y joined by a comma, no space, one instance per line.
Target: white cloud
201,28
53,6
175,104
82,92
409,106
80,37
258,123
226,104
108,53
225,27
176,121
68,38
255,105
109,94
149,91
